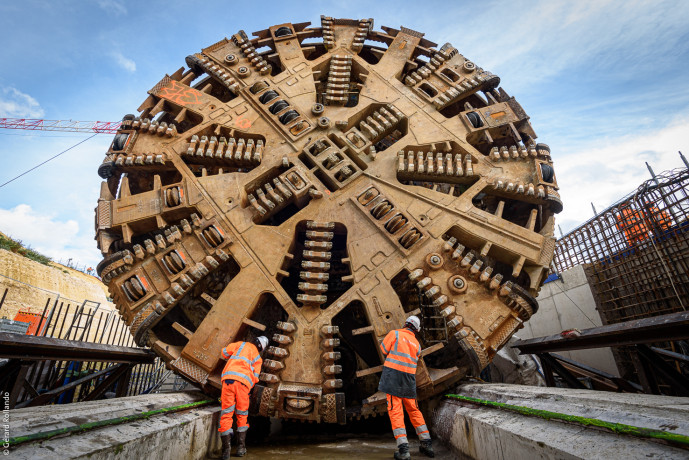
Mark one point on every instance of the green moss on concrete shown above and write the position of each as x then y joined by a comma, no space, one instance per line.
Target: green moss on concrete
102,423
620,428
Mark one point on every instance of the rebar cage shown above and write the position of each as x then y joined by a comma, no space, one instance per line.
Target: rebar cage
636,253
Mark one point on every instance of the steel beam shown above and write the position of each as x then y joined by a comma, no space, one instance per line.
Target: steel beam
18,384
671,354
29,347
548,373
558,368
598,375
48,396
664,328
109,381
123,383
679,383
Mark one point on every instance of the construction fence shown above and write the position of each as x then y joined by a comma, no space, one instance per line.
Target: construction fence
85,322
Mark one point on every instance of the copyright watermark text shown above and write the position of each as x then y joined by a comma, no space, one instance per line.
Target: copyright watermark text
6,423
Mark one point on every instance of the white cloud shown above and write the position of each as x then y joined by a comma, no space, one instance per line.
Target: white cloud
604,172
114,7
15,104
546,37
60,240
124,62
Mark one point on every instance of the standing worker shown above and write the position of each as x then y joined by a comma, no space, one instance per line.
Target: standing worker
402,352
631,223
238,378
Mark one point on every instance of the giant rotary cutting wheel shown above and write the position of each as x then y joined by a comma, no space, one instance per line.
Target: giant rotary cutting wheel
318,186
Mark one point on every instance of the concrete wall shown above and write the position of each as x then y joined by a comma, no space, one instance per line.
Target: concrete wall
185,435
487,433
567,304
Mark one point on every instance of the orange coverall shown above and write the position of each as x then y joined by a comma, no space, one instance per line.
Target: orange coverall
635,224
631,223
659,219
402,351
239,376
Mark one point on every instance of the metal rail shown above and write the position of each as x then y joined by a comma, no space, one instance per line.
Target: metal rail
674,326
82,327
654,373
598,377
29,347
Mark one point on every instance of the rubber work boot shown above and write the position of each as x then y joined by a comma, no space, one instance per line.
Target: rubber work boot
426,448
241,444
225,439
403,452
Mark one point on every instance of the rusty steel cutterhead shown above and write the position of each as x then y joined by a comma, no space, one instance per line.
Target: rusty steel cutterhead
319,185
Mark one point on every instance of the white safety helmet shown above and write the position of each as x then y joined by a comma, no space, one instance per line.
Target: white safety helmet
263,340
413,323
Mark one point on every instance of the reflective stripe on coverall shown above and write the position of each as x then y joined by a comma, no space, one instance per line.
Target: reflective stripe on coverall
402,351
238,378
234,398
397,418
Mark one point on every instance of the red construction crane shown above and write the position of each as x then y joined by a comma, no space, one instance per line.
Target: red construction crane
98,127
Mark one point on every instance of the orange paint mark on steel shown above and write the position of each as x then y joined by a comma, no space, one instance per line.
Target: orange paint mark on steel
243,123
144,282
180,94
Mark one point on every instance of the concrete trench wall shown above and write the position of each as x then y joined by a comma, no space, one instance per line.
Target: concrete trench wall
184,435
471,431
37,284
484,433
71,284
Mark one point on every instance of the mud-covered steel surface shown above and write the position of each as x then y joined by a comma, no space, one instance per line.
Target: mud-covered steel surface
318,185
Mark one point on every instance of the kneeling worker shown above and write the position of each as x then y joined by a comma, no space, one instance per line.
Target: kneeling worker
402,351
238,378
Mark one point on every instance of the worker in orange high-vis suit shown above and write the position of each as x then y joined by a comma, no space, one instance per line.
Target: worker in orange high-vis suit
402,352
239,376
657,220
631,223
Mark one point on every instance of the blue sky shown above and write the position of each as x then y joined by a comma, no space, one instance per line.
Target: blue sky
605,84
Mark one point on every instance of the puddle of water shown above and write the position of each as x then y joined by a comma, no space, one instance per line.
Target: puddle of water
356,446
272,439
